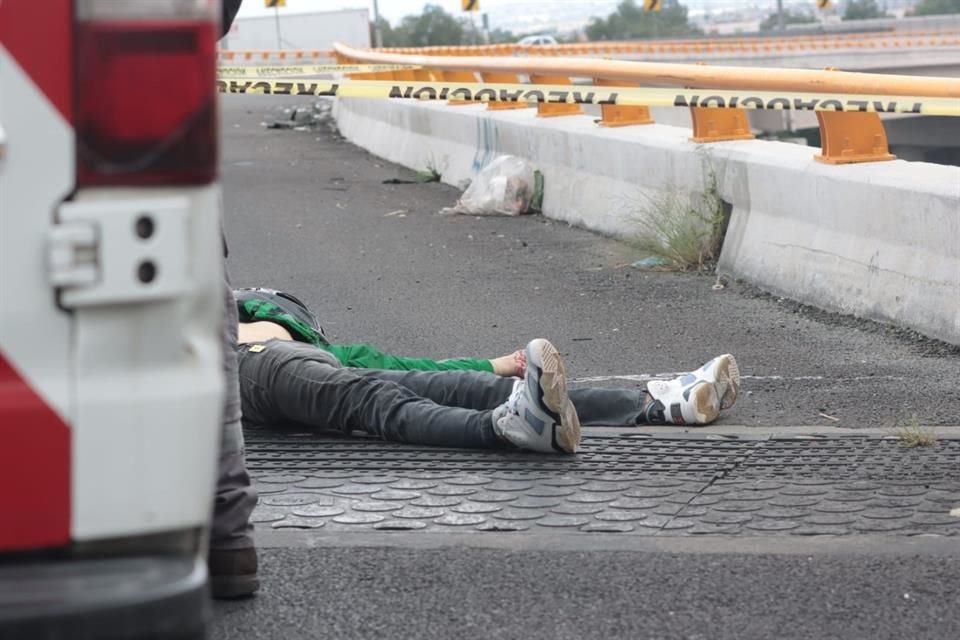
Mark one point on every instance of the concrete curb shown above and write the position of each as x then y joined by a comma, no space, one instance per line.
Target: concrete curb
873,240
572,542
764,432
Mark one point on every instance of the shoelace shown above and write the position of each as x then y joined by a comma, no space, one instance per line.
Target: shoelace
515,396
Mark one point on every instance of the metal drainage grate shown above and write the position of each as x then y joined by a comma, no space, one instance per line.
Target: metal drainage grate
609,455
851,457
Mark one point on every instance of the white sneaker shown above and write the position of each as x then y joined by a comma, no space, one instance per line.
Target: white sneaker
695,398
539,415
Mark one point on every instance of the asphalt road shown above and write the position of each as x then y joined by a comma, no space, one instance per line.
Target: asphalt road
309,213
535,590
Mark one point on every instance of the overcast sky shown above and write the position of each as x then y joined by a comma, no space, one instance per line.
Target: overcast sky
394,10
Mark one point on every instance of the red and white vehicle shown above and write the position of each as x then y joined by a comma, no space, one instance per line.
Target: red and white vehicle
110,302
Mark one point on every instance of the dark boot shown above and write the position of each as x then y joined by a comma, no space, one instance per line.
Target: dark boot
233,573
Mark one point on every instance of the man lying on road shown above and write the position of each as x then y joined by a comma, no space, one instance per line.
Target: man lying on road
259,304
291,375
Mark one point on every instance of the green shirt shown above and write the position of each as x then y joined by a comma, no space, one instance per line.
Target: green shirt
263,311
357,356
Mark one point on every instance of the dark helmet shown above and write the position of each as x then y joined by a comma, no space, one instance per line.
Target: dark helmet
285,303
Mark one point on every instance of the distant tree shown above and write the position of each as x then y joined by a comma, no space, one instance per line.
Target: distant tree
631,22
433,27
936,7
773,21
862,10
501,36
386,31
571,37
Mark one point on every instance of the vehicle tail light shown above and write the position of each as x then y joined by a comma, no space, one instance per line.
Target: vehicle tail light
146,103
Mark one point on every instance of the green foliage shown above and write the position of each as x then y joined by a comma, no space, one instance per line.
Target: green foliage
912,434
936,7
862,10
385,30
773,22
631,22
501,36
436,27
430,174
433,27
683,234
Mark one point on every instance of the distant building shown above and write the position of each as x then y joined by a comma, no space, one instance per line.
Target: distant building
315,30
732,27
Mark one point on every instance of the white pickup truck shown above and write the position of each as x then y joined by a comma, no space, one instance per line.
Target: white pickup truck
110,300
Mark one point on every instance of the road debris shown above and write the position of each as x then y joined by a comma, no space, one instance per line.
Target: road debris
508,186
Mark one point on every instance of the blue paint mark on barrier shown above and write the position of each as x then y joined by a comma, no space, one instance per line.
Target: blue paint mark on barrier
488,143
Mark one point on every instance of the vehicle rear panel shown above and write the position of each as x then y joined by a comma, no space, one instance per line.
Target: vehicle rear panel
111,294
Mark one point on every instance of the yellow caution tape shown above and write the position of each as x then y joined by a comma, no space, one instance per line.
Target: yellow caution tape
573,94
298,70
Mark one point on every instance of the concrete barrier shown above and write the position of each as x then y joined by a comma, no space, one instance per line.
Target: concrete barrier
879,241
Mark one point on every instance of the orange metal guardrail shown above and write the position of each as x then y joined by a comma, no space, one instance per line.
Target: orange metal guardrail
266,55
700,46
847,137
688,46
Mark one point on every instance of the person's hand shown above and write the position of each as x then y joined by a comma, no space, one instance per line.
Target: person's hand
513,365
520,359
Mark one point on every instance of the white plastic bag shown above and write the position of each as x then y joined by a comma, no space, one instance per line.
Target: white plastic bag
504,187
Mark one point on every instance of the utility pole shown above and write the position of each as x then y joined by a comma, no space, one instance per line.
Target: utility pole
276,17
377,32
780,21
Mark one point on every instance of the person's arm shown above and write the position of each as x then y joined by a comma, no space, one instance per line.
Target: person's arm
365,356
230,8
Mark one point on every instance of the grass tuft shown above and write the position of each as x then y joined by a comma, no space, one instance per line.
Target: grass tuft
913,434
684,235
430,174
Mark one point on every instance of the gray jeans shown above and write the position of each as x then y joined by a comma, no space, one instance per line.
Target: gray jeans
235,494
291,383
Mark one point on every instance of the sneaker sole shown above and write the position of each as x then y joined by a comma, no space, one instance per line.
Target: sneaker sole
726,373
553,382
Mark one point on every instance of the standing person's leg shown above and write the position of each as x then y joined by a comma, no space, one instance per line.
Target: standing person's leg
233,557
